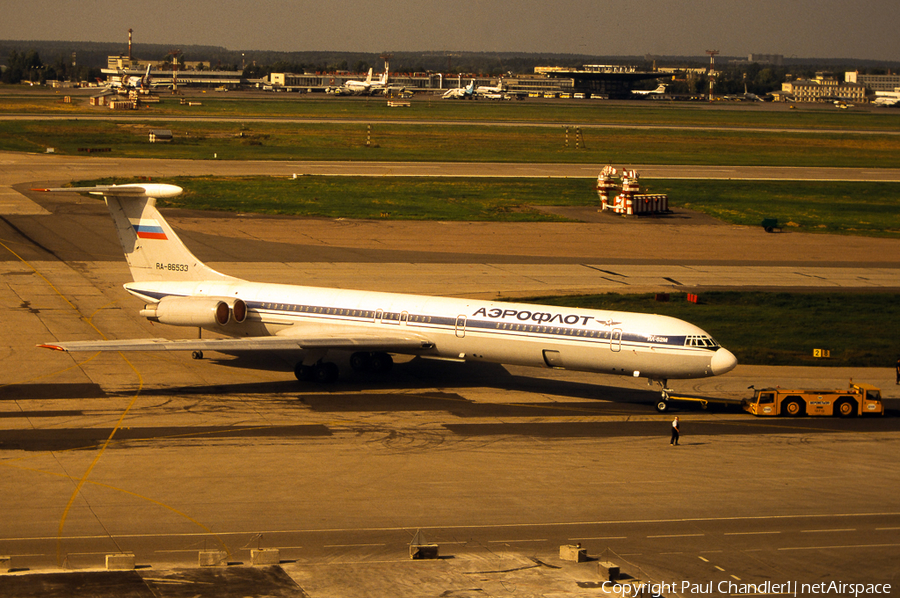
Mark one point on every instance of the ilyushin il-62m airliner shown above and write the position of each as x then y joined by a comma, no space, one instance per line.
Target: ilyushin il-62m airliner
181,290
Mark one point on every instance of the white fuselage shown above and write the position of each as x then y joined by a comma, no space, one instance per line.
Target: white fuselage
622,343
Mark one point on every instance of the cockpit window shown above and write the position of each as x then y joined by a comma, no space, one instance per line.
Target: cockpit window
700,341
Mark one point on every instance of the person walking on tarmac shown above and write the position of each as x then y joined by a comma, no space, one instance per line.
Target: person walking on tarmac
898,370
675,432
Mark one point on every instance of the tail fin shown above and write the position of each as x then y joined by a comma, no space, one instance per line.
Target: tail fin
153,250
369,76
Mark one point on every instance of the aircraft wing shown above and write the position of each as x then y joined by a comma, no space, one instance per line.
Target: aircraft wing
392,342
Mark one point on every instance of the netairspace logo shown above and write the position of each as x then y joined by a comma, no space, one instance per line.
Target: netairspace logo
787,588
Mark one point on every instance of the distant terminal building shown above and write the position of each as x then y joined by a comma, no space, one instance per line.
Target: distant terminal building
604,81
537,83
319,81
612,81
297,81
206,79
824,88
120,63
874,82
119,67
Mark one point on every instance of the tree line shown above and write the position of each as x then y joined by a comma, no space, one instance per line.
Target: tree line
28,67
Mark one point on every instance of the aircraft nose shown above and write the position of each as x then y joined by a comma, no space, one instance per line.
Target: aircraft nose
722,361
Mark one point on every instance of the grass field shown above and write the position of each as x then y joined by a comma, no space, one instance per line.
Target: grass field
529,131
450,143
778,328
869,209
866,209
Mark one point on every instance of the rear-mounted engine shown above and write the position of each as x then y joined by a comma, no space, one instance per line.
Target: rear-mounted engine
197,311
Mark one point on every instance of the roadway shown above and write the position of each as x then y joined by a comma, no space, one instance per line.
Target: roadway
500,466
32,167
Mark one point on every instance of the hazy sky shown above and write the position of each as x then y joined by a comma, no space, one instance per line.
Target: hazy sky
801,28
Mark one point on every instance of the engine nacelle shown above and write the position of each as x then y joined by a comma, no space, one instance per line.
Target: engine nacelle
197,311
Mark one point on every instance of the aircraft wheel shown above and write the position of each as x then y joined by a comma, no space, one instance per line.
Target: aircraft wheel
326,372
304,373
382,362
197,355
662,405
361,361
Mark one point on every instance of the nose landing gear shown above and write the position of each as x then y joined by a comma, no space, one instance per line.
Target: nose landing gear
662,405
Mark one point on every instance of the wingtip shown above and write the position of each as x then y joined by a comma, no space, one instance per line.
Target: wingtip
52,347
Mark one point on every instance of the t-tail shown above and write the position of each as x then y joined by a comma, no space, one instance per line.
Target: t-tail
153,251
145,80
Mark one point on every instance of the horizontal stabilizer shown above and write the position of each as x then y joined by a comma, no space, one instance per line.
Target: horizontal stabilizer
155,190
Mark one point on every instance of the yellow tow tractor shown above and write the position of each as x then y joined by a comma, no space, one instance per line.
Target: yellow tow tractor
858,399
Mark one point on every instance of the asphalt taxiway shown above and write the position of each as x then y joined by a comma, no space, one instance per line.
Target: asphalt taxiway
163,456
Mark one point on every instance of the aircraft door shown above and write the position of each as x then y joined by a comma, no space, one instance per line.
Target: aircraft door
461,326
552,359
615,340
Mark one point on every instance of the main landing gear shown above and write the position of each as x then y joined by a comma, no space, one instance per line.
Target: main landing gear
327,372
378,362
322,371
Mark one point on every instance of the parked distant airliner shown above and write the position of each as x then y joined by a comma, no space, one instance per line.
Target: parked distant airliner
133,83
460,93
660,89
181,290
365,87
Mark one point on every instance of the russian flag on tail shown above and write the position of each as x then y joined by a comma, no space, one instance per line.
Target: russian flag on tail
149,229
